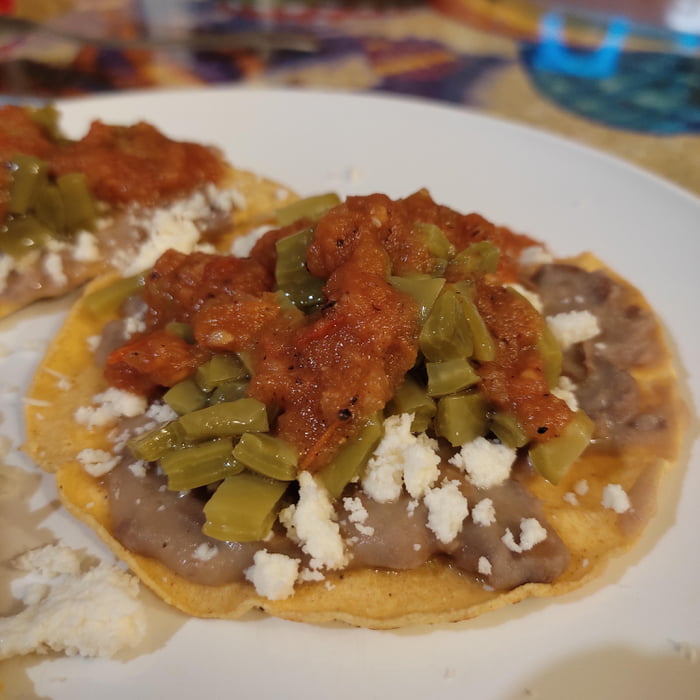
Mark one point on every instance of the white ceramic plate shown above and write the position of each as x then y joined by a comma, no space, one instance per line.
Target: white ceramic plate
636,633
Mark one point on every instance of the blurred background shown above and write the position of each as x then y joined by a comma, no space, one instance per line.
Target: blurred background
620,75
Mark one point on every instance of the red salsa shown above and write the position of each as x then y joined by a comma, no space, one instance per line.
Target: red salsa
122,164
327,371
125,164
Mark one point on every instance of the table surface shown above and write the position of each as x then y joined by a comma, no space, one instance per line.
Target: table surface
627,85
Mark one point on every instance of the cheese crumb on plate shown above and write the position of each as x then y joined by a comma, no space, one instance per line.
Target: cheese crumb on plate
92,613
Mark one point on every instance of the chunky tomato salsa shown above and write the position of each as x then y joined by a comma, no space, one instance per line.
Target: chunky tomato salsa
327,369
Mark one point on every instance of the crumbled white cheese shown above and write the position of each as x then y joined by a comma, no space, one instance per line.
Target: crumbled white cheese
307,574
97,462
483,513
571,498
119,438
529,295
110,405
616,498
535,255
531,534
447,509
565,390
572,327
96,613
166,231
420,465
581,487
484,566
313,524
401,458
366,530
161,412
49,561
242,245
53,266
135,324
85,247
487,463
138,468
358,515
226,199
174,226
205,551
382,479
273,575
93,342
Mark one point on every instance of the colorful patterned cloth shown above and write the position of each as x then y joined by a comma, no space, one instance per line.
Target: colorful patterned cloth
615,86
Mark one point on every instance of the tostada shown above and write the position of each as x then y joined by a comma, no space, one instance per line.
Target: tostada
114,199
387,413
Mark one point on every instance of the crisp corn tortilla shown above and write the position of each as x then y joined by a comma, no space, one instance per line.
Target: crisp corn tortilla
434,593
259,195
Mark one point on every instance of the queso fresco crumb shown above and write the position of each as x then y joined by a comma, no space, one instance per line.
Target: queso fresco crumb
91,613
